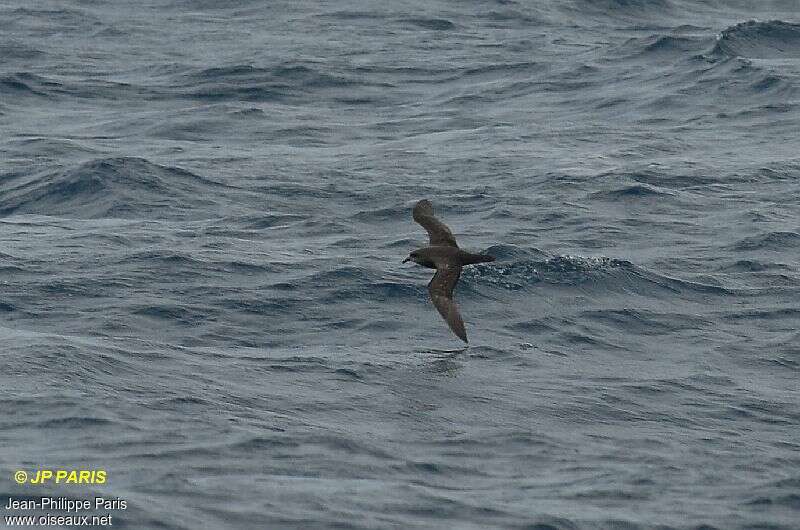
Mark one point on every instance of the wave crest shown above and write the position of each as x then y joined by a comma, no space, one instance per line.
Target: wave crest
760,40
110,187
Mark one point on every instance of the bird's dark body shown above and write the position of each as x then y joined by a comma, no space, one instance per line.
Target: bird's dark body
443,255
428,256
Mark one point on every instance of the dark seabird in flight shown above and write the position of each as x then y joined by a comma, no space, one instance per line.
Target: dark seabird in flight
443,255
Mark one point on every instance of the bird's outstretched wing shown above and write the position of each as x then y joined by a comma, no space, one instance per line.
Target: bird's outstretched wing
438,232
441,291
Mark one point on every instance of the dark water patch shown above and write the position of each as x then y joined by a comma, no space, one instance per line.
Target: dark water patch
657,47
252,112
771,413
534,327
777,313
305,135
507,16
23,83
671,44
382,214
111,32
67,287
544,522
635,192
774,39
646,322
404,243
189,129
772,84
28,84
184,401
294,368
266,305
355,15
243,267
612,494
678,285
501,70
340,274
382,325
751,265
665,180
11,50
418,74
616,10
353,283
250,83
75,422
607,103
296,190
350,243
346,374
161,257
775,241
62,14
588,340
267,220
435,24
786,483
264,443
789,500
56,148
375,290
111,187
177,313
783,171
341,443
708,380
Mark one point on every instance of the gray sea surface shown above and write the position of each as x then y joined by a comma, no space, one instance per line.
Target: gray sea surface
204,206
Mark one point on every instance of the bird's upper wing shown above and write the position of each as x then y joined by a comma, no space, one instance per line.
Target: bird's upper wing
437,231
441,291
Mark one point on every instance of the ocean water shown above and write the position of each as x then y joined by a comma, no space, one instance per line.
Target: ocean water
204,206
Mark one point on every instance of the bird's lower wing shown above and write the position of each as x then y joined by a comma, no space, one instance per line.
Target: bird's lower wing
441,291
438,232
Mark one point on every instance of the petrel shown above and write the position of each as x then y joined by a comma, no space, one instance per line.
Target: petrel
443,255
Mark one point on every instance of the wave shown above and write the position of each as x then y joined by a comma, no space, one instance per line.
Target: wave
777,241
748,265
646,322
110,187
522,273
27,84
249,83
11,50
632,192
436,24
659,45
53,148
670,43
619,9
598,274
760,40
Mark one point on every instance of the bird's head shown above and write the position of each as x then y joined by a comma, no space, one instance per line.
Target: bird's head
414,256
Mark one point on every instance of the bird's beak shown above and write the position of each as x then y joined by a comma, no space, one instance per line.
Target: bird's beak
406,260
